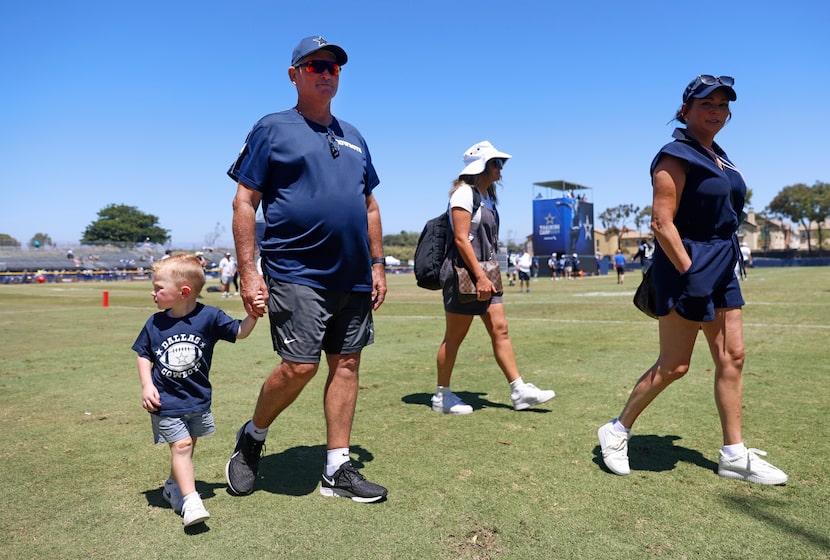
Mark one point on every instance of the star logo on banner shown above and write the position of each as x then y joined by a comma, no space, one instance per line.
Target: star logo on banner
549,220
588,228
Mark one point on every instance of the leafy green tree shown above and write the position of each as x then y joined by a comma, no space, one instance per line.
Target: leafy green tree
616,219
643,219
822,207
401,245
118,223
40,240
803,205
7,240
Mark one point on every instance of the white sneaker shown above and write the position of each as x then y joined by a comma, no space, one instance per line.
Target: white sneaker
750,467
530,395
614,447
172,495
449,403
193,512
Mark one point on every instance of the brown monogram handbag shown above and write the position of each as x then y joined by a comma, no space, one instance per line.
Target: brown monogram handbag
466,282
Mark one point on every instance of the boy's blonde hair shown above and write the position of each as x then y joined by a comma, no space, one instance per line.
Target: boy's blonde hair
183,269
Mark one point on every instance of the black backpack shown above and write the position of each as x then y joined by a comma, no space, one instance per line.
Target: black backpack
432,247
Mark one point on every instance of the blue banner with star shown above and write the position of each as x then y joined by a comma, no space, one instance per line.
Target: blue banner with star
563,225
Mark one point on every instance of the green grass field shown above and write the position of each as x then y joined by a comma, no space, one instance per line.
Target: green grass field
81,477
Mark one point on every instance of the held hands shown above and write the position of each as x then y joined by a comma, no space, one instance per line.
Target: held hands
254,295
260,303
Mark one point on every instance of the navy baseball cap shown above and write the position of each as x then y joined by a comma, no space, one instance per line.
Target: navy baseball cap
312,44
705,84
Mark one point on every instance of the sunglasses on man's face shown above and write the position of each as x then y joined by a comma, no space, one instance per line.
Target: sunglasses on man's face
497,163
319,66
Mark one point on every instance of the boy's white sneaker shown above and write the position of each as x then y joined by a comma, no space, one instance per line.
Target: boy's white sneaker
530,395
750,467
614,447
449,403
193,512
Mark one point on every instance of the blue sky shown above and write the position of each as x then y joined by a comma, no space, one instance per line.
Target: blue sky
147,103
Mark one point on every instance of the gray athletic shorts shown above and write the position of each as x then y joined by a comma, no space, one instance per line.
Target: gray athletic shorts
169,429
306,321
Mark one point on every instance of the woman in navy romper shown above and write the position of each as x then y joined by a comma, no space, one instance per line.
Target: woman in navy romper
699,196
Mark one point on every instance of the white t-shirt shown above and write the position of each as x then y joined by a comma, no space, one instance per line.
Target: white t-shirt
524,262
227,266
463,198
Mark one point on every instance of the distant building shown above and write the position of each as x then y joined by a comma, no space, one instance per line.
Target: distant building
627,240
761,233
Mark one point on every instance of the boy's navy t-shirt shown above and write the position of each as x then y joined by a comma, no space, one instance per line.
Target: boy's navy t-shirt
181,350
314,204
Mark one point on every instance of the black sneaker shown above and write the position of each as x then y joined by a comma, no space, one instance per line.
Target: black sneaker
241,470
347,482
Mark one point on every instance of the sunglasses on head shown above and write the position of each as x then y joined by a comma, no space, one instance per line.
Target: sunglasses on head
709,80
319,66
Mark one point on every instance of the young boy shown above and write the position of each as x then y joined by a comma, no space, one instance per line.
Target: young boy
174,350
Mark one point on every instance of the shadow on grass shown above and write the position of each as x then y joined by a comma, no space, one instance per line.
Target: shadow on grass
297,470
475,400
764,509
658,454
206,490
293,472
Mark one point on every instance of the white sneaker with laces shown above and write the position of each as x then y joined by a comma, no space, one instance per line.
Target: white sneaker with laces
614,447
193,512
530,395
750,467
449,403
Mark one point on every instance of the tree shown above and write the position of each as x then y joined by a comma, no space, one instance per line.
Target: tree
401,245
804,205
7,240
643,218
212,237
615,219
40,240
118,223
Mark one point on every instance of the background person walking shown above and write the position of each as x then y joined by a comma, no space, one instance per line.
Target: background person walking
477,234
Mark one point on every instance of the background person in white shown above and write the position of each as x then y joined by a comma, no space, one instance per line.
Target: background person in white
523,264
227,268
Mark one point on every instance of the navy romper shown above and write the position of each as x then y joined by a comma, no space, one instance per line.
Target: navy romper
707,218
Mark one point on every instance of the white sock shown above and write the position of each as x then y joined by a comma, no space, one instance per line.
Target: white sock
191,496
618,427
335,458
517,384
257,433
443,390
734,450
